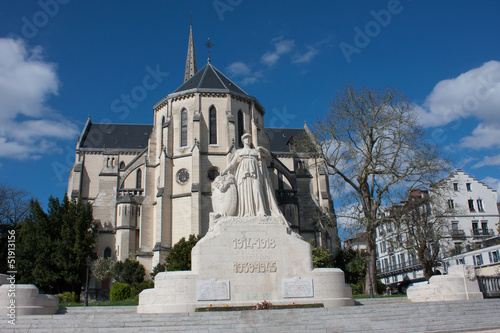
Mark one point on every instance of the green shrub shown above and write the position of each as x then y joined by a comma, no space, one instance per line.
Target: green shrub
381,287
357,288
128,271
179,258
140,286
66,297
158,269
120,291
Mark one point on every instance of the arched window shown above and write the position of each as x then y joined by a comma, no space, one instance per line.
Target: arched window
122,165
107,253
213,126
138,180
184,128
240,128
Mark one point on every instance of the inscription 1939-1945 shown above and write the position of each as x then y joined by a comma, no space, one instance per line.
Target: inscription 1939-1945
254,243
255,267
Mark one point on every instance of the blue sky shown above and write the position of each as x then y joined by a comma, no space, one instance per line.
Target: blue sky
63,60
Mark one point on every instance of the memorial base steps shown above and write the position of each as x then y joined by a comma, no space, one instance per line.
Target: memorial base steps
377,316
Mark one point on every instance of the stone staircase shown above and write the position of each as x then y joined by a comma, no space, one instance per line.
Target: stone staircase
385,315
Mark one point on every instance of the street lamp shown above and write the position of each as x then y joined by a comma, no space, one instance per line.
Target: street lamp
86,294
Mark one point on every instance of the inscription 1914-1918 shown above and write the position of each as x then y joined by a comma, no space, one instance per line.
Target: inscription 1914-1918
254,243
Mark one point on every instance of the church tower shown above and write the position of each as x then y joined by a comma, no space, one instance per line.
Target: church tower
196,129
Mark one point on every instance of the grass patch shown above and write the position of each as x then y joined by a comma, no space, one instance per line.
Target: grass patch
126,302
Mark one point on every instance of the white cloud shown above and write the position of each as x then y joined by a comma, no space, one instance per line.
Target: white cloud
251,79
246,75
244,72
488,161
28,127
483,136
281,46
494,183
307,56
238,68
475,93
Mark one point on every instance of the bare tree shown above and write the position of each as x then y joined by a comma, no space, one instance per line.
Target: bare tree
372,145
14,205
422,227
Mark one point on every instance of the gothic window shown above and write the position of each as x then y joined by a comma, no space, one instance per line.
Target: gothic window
107,253
240,128
184,125
213,126
122,165
138,180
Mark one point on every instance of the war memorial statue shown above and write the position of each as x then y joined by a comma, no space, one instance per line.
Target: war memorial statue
249,253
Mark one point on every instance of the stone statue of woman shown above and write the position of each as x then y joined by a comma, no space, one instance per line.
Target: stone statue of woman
255,191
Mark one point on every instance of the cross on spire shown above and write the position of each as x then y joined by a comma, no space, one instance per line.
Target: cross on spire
209,45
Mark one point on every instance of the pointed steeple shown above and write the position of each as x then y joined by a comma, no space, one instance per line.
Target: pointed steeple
191,57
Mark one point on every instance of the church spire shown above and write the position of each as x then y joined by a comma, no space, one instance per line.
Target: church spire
191,57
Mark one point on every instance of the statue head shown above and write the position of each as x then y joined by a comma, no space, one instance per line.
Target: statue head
245,136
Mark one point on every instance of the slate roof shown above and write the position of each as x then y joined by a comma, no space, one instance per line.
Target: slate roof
116,136
279,138
210,78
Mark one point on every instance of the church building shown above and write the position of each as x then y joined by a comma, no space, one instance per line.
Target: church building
150,185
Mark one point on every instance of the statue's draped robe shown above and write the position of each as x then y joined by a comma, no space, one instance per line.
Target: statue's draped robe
255,192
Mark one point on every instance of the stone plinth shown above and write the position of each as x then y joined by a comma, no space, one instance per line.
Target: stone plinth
243,261
27,300
459,284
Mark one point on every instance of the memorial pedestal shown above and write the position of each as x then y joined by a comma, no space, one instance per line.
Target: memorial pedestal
243,261
460,284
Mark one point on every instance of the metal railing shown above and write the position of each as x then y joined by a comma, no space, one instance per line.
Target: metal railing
398,268
458,234
482,232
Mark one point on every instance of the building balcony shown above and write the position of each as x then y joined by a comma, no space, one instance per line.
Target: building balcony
458,234
130,192
482,232
398,269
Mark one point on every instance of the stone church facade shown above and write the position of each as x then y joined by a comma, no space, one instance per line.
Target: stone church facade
150,185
